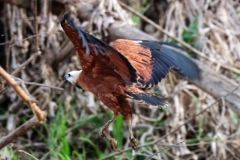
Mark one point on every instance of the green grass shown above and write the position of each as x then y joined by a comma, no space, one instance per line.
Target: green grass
190,34
160,123
200,117
238,75
118,130
57,136
68,139
97,151
235,116
142,10
94,118
8,153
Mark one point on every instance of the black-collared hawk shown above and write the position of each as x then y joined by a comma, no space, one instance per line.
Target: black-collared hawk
124,70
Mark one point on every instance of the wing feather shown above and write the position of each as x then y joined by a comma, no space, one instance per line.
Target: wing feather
143,96
92,50
157,60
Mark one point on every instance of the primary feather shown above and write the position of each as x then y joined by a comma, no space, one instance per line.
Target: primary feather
153,60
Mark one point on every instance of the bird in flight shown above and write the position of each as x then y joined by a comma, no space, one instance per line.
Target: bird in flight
123,70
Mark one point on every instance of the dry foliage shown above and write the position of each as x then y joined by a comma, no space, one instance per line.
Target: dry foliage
213,27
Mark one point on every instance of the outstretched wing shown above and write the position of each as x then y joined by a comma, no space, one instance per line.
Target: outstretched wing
92,51
152,60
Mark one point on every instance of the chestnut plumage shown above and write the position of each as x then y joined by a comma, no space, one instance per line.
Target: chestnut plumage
115,73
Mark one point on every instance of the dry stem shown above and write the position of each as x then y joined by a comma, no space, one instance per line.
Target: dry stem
33,57
36,110
22,151
18,132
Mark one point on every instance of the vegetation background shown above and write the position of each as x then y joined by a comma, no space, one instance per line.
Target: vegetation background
74,117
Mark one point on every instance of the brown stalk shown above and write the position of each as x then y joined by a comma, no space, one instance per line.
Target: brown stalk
33,106
36,120
19,131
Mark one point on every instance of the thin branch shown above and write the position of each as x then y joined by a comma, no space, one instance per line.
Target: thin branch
3,90
8,55
43,85
36,24
44,156
19,131
175,145
29,60
36,110
38,84
32,58
22,151
11,45
176,129
4,43
175,38
29,37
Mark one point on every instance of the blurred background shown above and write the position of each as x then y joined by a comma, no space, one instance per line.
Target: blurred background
75,116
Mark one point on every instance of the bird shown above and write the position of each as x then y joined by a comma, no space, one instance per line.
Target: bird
124,70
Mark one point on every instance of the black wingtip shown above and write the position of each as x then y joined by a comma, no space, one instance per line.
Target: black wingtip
68,19
186,66
182,64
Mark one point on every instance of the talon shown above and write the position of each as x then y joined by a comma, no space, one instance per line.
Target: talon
114,144
101,133
133,143
104,132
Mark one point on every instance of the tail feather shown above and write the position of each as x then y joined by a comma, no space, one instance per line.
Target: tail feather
146,97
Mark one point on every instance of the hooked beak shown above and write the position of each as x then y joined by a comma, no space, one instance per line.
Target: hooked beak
65,77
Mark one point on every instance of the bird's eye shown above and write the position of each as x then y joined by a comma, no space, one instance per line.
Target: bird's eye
69,75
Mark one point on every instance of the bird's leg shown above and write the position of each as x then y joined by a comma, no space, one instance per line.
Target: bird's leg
104,130
133,141
111,101
127,114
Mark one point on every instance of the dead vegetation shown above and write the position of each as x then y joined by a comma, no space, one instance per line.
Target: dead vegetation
196,124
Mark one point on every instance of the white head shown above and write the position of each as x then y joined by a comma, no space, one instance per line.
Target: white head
72,77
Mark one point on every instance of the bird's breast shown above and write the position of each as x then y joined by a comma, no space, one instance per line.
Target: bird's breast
100,84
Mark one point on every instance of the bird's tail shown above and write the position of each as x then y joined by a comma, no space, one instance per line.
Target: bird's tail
142,96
